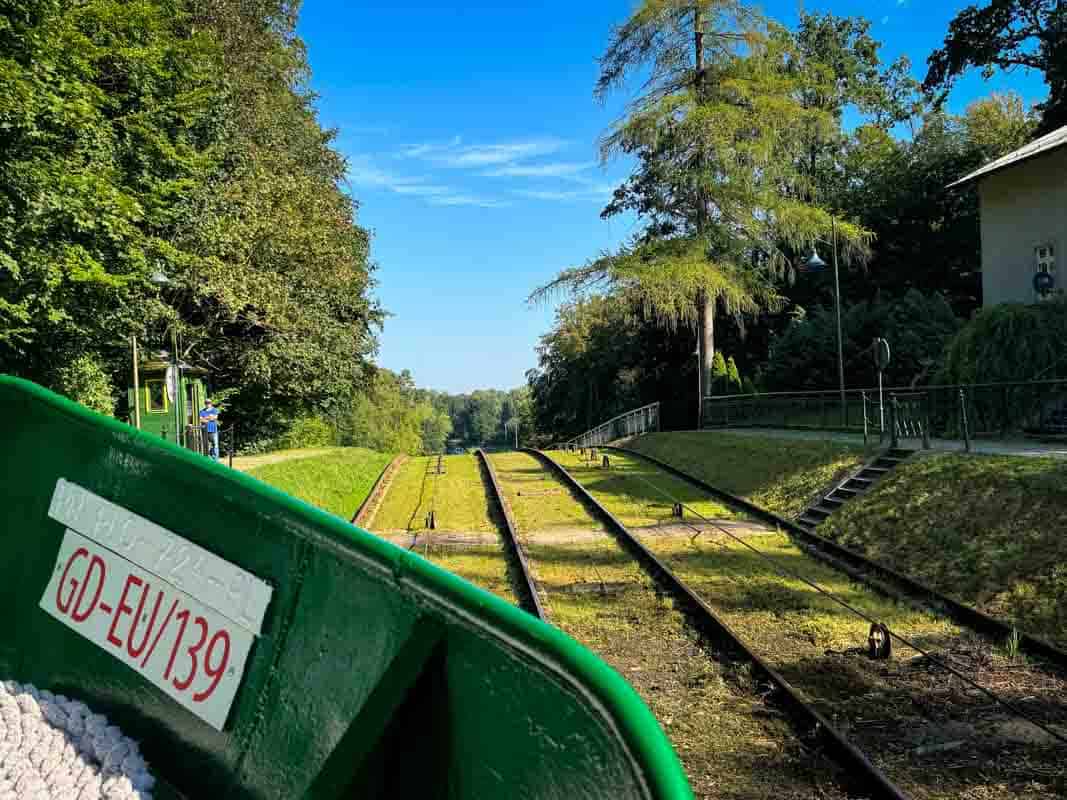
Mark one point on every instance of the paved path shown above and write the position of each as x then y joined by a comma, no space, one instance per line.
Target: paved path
1006,447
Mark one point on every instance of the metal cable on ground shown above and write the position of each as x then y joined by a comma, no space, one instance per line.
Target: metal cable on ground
858,769
863,615
422,493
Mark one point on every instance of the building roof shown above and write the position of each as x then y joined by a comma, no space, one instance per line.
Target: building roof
1050,141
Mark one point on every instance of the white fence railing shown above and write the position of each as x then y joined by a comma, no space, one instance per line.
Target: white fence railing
641,420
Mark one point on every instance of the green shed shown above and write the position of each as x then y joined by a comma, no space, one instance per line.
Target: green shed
165,399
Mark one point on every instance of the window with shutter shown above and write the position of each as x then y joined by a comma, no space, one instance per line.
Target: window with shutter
1045,261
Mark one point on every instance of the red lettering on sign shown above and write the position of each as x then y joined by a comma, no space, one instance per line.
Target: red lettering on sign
94,562
81,552
122,609
195,667
214,673
135,652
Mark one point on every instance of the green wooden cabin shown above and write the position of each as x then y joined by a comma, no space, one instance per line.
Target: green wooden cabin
169,398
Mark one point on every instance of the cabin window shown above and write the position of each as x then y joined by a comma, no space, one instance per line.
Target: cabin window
156,395
190,403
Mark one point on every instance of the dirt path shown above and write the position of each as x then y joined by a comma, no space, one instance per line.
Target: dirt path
461,539
245,463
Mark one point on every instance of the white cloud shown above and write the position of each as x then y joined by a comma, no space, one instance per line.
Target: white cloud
466,200
362,172
457,155
560,169
597,192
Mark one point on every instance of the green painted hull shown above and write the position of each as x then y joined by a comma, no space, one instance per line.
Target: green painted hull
376,674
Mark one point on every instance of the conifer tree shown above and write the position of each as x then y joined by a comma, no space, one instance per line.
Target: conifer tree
721,134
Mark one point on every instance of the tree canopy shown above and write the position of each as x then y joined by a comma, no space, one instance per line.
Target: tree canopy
163,175
1007,34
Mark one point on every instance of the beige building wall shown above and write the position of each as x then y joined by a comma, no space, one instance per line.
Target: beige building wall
1024,207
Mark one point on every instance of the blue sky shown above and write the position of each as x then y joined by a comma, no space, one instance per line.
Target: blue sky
471,134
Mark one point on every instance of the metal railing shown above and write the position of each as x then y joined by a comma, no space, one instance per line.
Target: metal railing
632,423
196,439
945,411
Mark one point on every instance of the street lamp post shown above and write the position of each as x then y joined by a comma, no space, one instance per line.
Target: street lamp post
815,264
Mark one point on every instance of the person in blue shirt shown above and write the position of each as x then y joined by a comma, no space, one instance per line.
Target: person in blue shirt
209,421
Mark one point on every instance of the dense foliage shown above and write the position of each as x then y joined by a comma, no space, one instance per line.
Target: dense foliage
725,133
914,284
804,355
1008,34
163,175
1009,342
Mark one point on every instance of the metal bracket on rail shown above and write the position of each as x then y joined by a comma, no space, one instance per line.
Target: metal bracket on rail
879,642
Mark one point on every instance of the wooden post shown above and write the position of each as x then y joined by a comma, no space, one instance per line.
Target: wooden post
963,422
894,418
863,395
136,388
926,421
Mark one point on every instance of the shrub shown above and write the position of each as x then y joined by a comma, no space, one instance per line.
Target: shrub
733,377
85,381
306,432
718,374
917,326
1009,342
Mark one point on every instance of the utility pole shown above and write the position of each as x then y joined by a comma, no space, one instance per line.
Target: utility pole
840,349
705,305
136,388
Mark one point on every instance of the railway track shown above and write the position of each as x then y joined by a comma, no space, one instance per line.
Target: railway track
936,751
525,586
731,743
876,575
441,509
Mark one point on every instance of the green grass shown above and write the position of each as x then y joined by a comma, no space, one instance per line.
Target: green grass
537,499
636,492
781,475
482,565
459,497
336,481
988,530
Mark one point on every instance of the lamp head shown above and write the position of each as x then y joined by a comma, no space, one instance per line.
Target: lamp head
814,263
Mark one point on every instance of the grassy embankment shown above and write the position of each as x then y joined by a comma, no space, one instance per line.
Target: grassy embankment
336,480
987,530
731,745
780,475
461,503
819,647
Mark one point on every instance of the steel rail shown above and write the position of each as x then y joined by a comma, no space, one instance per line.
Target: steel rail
906,641
386,470
530,597
862,568
859,772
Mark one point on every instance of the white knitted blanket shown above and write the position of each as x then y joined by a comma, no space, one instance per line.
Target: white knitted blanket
54,748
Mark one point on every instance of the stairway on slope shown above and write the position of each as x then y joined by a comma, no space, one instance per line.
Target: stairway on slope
852,487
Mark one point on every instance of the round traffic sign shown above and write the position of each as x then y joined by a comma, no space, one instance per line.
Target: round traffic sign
881,353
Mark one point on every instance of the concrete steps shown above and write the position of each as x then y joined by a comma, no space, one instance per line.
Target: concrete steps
853,486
